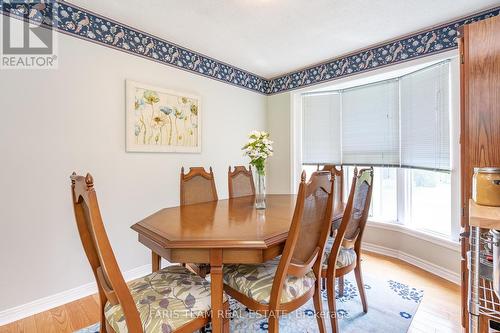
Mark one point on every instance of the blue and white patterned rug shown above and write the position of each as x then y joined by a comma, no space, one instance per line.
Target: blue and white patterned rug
391,308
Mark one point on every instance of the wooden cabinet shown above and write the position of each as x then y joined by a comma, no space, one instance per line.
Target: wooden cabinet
480,116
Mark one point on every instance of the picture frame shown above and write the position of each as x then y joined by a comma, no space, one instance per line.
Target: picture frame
161,120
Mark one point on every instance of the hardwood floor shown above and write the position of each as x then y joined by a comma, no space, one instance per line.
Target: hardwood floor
438,313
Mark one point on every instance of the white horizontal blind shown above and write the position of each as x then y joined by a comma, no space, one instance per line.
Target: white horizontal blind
321,128
370,124
425,118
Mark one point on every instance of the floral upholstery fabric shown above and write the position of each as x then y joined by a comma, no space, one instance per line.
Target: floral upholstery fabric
346,255
256,281
166,300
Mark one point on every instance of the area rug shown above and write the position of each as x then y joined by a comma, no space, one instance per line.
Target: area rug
391,308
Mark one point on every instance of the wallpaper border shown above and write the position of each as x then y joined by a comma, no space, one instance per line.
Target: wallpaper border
434,40
78,22
81,23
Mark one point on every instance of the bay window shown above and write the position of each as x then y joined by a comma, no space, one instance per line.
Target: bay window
321,128
370,124
428,200
401,127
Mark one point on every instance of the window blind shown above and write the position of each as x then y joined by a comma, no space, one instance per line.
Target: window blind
321,128
370,124
425,117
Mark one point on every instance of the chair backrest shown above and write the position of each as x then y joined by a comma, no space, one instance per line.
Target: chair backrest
308,233
240,182
197,186
350,231
361,204
338,191
110,282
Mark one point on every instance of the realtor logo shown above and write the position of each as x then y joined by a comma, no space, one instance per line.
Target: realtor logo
27,43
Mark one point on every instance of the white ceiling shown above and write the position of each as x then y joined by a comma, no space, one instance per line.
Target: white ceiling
272,37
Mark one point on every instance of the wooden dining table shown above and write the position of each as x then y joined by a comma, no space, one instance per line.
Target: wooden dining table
220,232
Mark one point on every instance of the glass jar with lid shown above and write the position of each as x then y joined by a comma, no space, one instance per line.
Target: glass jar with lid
486,186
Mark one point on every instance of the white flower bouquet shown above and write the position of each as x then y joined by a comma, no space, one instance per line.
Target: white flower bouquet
258,148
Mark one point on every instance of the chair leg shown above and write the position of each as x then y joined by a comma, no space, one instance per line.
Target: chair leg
361,286
155,262
104,327
227,318
200,270
330,291
318,306
225,326
274,323
102,303
204,270
341,285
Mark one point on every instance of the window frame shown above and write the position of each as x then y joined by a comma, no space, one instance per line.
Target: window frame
402,198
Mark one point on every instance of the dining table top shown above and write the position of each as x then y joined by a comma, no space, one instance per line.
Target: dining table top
230,231
230,223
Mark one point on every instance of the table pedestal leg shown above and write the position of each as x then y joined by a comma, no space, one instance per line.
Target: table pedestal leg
155,262
216,290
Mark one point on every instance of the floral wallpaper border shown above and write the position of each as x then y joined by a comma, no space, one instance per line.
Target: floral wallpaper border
78,22
438,39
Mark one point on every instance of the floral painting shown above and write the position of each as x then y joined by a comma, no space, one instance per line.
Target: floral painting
160,120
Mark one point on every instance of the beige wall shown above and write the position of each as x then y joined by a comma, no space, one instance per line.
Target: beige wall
447,258
278,125
73,118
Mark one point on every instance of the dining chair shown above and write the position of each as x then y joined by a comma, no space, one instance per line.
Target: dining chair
170,300
343,253
240,182
285,283
198,186
338,198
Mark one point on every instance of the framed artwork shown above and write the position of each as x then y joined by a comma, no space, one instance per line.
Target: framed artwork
161,120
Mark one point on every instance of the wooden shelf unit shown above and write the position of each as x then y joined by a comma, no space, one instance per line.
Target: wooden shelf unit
484,216
479,47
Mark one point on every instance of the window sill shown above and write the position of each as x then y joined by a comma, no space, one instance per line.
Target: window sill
441,241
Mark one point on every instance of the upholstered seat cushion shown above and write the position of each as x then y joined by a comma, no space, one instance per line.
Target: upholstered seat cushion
166,300
256,281
346,257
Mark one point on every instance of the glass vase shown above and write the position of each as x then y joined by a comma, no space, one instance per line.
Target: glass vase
260,189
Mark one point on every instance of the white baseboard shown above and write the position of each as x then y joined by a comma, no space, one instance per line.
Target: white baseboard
420,263
49,302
